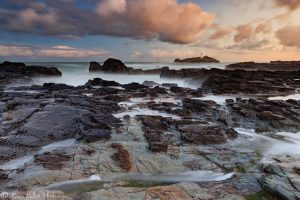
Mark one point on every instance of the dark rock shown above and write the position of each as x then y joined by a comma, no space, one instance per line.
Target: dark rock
268,115
101,82
6,153
231,133
169,85
26,141
196,105
158,146
114,65
14,65
150,83
154,128
94,66
41,71
53,160
202,134
57,86
3,176
134,86
272,66
95,135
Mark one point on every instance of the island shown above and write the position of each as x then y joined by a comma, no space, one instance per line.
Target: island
205,59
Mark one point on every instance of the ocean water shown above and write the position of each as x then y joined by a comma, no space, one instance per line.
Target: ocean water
78,73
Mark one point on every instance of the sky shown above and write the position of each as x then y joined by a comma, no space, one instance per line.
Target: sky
149,30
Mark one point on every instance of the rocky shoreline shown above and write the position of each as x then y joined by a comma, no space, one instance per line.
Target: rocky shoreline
193,148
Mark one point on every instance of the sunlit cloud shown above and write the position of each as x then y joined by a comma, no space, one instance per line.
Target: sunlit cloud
14,50
161,53
289,36
60,51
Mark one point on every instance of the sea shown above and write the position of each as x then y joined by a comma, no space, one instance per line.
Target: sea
77,73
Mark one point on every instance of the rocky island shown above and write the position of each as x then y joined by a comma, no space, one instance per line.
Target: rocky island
107,140
205,59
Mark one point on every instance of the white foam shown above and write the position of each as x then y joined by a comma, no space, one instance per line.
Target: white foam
189,176
144,111
284,98
134,101
269,147
95,177
16,163
204,176
219,99
56,145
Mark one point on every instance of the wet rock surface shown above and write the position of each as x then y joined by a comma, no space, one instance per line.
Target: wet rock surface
63,135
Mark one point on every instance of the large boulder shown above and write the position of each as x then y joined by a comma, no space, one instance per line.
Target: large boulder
94,66
114,65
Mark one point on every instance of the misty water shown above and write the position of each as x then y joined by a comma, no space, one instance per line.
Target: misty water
78,73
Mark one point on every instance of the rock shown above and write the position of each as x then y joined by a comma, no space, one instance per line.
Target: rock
95,135
202,134
272,66
57,86
169,85
231,133
23,140
154,128
204,59
280,182
268,115
6,153
3,176
158,146
196,105
101,82
114,65
53,160
41,71
22,69
55,122
14,65
94,66
121,156
134,86
150,83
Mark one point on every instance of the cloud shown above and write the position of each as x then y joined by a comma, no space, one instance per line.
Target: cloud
31,20
60,51
168,20
14,50
289,36
137,54
161,53
220,33
292,5
250,45
109,7
244,32
264,27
